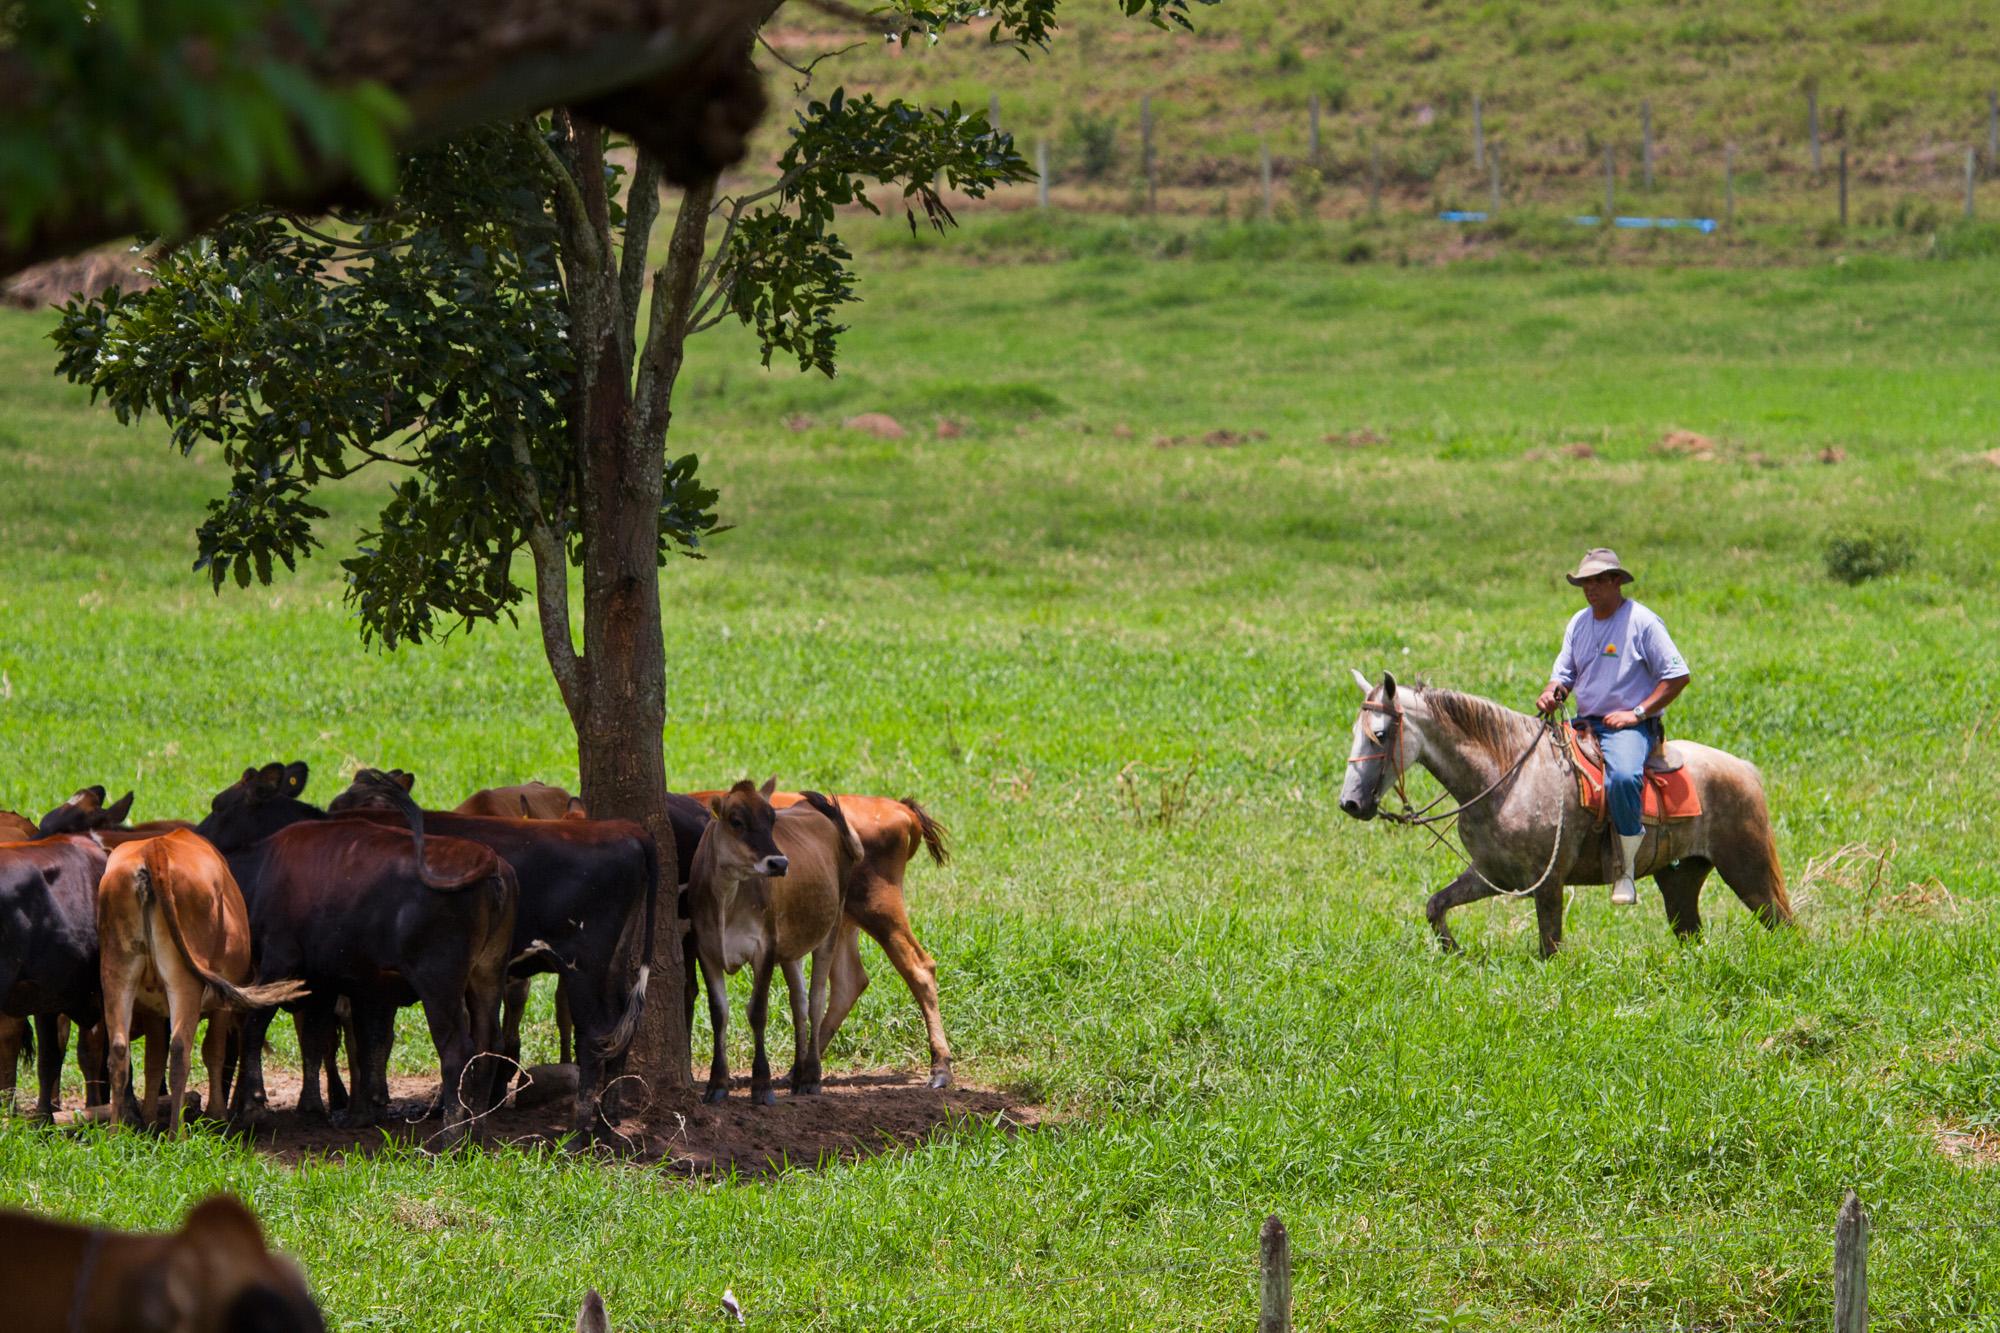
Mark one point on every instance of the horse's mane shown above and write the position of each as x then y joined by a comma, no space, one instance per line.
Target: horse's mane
1481,722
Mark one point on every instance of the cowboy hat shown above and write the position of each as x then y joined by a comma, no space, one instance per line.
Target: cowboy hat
1600,560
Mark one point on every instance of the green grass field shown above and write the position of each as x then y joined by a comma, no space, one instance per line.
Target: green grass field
1234,1009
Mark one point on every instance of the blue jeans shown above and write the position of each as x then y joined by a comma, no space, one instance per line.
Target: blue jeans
1624,772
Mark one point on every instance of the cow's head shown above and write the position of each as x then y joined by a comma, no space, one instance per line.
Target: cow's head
85,811
257,805
217,1273
368,791
743,820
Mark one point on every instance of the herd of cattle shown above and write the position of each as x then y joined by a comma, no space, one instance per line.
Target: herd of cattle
342,915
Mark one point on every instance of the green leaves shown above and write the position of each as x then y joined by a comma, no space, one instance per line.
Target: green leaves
1025,23
787,269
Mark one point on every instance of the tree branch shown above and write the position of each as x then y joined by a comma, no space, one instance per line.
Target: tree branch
573,214
642,205
551,579
673,300
454,66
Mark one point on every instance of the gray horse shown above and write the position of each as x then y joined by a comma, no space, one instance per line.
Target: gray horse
1525,829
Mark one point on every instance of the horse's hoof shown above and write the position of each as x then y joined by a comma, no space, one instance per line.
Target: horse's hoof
940,1079
716,1094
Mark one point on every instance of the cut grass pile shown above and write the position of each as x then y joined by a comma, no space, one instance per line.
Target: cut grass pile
1101,625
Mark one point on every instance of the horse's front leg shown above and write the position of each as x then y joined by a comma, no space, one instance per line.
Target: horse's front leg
1467,888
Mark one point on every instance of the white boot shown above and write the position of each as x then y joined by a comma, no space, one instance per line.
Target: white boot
1625,892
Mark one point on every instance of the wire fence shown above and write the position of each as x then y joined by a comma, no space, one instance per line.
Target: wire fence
1453,168
1271,1270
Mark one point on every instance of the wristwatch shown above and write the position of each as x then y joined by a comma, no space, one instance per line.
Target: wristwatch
1640,712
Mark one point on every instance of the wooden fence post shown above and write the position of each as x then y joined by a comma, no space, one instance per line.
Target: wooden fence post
1493,170
1850,1267
1812,125
1993,127
1264,173
1729,186
1843,185
1478,133
1646,139
1313,135
1375,178
1971,170
1146,149
1275,1253
1041,173
1610,184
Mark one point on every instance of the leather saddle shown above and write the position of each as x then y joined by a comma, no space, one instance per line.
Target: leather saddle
1669,794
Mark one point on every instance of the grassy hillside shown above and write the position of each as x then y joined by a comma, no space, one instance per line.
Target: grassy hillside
1902,86
1085,598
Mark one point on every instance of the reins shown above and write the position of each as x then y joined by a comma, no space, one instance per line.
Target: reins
1550,727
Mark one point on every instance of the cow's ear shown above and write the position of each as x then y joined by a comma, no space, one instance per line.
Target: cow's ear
294,780
715,807
115,812
576,809
97,794
402,779
249,776
769,786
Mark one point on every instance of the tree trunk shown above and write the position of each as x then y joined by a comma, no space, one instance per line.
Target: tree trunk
620,711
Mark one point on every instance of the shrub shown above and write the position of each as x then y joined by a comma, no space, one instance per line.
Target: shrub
1868,553
1093,143
1308,187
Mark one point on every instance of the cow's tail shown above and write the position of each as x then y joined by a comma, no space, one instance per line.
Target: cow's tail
619,1039
153,884
390,790
831,809
934,833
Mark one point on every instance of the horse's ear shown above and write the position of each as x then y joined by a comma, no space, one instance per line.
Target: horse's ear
1388,687
1361,681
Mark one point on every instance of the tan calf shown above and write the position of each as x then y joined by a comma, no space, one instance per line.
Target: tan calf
529,800
765,890
214,1275
174,942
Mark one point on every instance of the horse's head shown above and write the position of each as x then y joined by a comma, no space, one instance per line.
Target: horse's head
1384,746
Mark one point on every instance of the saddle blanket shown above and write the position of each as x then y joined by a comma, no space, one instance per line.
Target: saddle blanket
1666,797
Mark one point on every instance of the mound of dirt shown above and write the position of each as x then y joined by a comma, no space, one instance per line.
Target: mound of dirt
861,1113
55,282
879,424
1687,444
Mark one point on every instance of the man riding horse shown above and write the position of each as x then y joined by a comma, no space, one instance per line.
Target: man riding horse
1624,670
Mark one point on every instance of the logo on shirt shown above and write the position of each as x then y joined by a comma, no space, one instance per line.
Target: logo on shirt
1611,650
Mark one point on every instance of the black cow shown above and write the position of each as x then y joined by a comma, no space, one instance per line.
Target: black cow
381,916
48,950
585,913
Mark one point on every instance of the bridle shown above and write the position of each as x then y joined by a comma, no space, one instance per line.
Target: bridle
1551,727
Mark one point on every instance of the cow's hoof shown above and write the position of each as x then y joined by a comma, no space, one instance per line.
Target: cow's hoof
314,1108
351,1118
764,1097
716,1094
811,1089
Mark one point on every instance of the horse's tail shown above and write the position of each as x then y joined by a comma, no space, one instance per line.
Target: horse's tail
932,833
1749,862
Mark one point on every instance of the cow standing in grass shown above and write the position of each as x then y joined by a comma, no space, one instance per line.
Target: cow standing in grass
766,890
174,944
48,947
383,916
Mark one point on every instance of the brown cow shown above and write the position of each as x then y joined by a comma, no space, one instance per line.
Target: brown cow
16,828
529,800
86,812
173,939
214,1275
891,832
766,890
